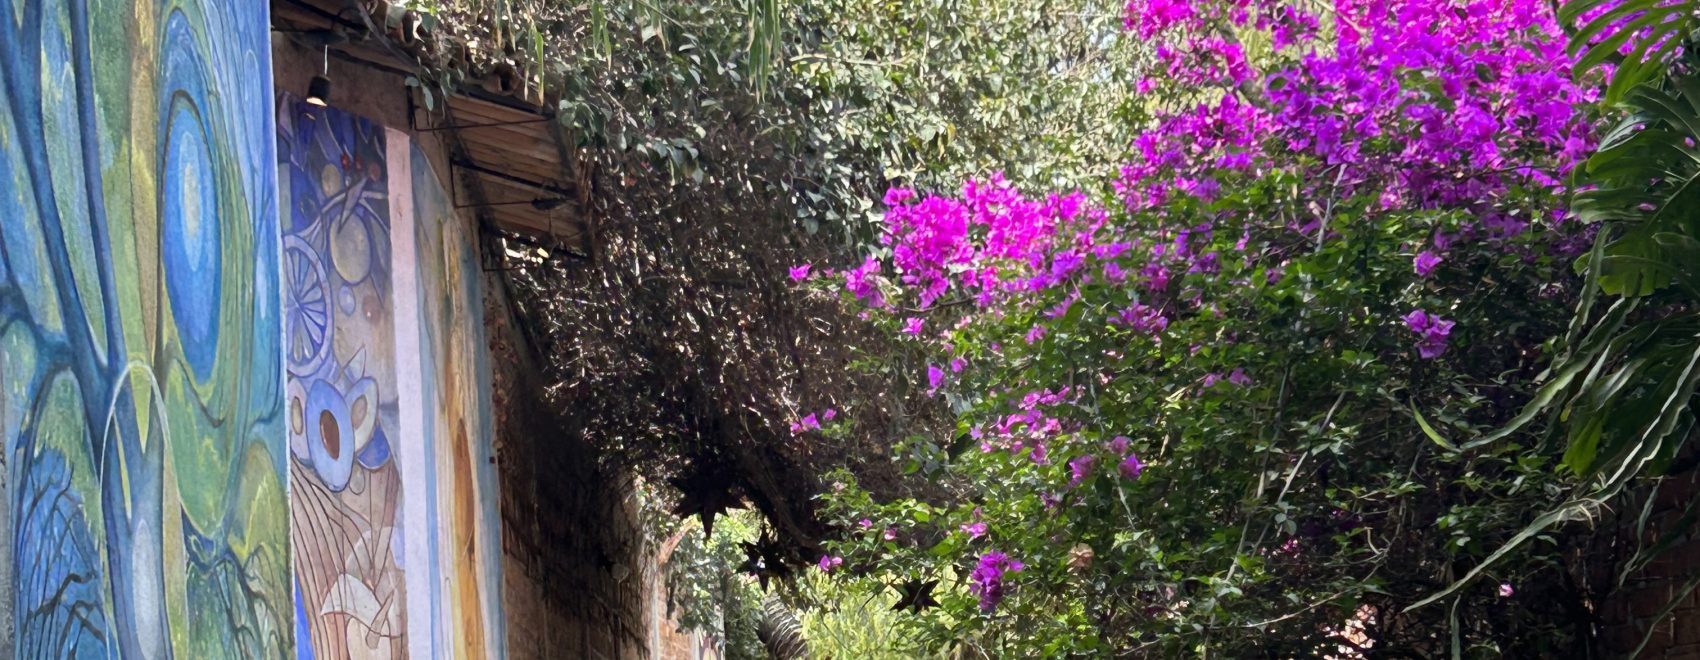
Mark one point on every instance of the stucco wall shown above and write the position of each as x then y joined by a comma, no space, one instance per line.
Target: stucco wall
248,398
141,371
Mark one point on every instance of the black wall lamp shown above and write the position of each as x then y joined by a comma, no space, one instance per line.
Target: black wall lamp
319,89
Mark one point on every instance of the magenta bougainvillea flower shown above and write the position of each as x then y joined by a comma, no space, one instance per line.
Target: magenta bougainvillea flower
1081,467
1131,467
1430,123
987,580
1141,318
800,272
809,422
1426,262
1432,332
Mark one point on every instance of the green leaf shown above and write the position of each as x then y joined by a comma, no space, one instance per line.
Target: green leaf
1430,432
1574,510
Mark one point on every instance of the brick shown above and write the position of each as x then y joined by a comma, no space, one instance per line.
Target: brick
1621,636
1686,622
1663,634
1676,493
1647,601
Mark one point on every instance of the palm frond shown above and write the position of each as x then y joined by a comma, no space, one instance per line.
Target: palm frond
1621,389
1637,37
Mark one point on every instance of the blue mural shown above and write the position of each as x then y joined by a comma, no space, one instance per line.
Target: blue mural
339,338
141,367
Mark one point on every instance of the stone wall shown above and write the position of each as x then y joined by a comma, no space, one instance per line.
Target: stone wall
579,583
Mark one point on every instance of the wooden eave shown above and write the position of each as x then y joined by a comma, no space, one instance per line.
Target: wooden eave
509,161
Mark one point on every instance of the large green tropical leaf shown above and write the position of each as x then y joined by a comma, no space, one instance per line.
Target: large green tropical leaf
1637,37
1622,386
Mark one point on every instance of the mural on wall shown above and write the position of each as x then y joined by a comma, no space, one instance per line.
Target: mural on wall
345,486
141,373
458,471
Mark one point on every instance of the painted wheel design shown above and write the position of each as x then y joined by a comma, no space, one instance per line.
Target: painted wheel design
307,310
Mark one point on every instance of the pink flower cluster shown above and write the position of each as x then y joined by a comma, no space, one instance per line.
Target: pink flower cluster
1468,97
1395,106
988,241
813,421
987,580
1080,468
1432,332
1029,427
1408,104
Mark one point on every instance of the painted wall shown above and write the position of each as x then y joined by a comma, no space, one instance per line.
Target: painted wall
141,371
449,413
213,308
392,479
346,493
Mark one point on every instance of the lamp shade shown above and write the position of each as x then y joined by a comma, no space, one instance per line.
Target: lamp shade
319,91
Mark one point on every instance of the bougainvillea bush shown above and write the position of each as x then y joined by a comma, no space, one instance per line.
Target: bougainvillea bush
1212,407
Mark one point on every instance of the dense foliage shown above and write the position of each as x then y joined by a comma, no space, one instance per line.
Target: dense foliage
1236,355
1628,373
705,591
718,150
1188,410
931,92
715,145
668,333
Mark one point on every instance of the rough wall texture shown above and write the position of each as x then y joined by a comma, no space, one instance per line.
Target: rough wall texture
577,580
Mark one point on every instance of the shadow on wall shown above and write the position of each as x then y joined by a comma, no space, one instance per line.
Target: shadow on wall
575,578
